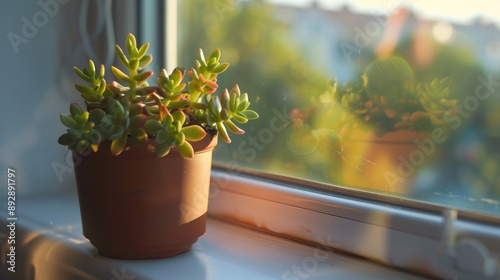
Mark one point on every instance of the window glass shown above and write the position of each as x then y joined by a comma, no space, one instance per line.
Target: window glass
396,97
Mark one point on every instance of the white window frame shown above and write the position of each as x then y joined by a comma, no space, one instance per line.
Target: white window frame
425,239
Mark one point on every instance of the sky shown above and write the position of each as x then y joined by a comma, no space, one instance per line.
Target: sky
458,11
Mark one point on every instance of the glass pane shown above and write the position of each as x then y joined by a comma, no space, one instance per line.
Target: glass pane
400,98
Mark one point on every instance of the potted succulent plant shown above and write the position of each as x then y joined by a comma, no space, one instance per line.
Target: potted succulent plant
142,152
384,113
386,99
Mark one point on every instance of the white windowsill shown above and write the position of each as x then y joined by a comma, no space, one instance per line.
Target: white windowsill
50,245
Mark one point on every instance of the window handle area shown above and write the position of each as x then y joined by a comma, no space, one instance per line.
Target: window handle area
466,255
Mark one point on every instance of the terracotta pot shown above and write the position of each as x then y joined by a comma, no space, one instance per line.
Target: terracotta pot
386,163
137,206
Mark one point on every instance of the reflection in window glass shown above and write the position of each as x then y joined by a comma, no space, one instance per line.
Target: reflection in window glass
401,98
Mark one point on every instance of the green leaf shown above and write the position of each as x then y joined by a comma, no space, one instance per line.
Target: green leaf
91,69
117,133
201,56
224,99
134,64
84,89
216,54
211,64
223,132
162,136
75,109
75,132
138,121
118,145
145,61
81,119
66,139
102,72
162,149
68,121
243,97
121,56
178,104
243,106
180,139
82,75
233,101
102,87
120,75
180,117
152,126
221,68
250,114
233,128
224,115
194,133
186,150
142,50
177,76
215,106
131,45
95,137
82,146
96,115
198,105
142,77
240,118
139,135
115,107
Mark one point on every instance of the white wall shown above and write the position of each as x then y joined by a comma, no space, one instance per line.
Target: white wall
37,85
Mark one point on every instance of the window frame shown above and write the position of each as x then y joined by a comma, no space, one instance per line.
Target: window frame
433,242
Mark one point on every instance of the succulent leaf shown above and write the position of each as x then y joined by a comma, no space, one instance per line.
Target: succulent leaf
239,117
68,121
152,126
243,106
162,149
82,75
223,132
138,121
162,137
215,54
95,137
120,75
66,139
145,61
178,104
201,56
233,128
133,64
142,77
121,56
250,114
180,139
117,133
139,135
131,45
91,69
221,68
118,145
193,133
75,109
115,107
186,150
142,50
